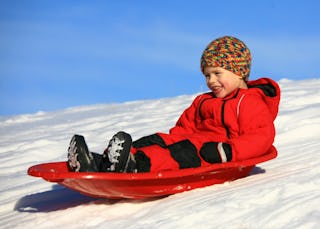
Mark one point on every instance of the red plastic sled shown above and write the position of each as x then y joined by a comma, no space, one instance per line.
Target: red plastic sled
145,185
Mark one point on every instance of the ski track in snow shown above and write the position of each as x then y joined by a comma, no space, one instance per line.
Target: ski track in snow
281,193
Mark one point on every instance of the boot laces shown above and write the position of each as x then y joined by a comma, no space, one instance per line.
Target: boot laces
114,148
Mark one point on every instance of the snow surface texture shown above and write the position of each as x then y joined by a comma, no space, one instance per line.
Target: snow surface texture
282,193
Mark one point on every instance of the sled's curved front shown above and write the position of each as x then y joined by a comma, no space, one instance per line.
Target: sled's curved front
144,185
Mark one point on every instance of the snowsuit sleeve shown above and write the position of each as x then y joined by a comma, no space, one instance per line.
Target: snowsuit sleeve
187,123
256,129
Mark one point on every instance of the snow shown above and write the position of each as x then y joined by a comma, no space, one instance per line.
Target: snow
281,193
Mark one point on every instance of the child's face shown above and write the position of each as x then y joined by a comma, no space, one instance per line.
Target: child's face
222,82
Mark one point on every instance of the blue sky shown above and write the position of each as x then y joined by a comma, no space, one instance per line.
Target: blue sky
58,54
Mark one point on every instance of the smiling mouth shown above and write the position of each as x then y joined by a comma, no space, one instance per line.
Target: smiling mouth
216,89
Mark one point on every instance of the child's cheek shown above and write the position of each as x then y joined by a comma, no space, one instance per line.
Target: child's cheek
226,84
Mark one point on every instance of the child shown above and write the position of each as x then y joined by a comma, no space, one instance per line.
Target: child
232,122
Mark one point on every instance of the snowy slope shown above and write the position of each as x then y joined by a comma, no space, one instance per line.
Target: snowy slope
282,193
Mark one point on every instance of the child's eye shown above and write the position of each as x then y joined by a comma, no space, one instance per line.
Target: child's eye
218,74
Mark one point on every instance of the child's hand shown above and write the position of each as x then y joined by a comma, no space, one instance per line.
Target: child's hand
216,152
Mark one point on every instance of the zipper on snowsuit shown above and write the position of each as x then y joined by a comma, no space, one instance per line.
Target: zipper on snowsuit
223,111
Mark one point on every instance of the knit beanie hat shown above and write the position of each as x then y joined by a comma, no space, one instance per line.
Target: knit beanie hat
229,53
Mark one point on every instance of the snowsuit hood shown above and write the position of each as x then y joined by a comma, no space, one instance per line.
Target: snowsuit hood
271,93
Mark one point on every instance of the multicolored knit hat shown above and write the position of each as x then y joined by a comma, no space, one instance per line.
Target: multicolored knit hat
229,53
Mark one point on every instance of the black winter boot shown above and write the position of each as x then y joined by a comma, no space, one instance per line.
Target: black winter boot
79,157
118,153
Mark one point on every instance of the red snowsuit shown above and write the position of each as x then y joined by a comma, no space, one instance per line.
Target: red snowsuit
243,119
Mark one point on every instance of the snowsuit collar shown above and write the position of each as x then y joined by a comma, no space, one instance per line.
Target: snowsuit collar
267,88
